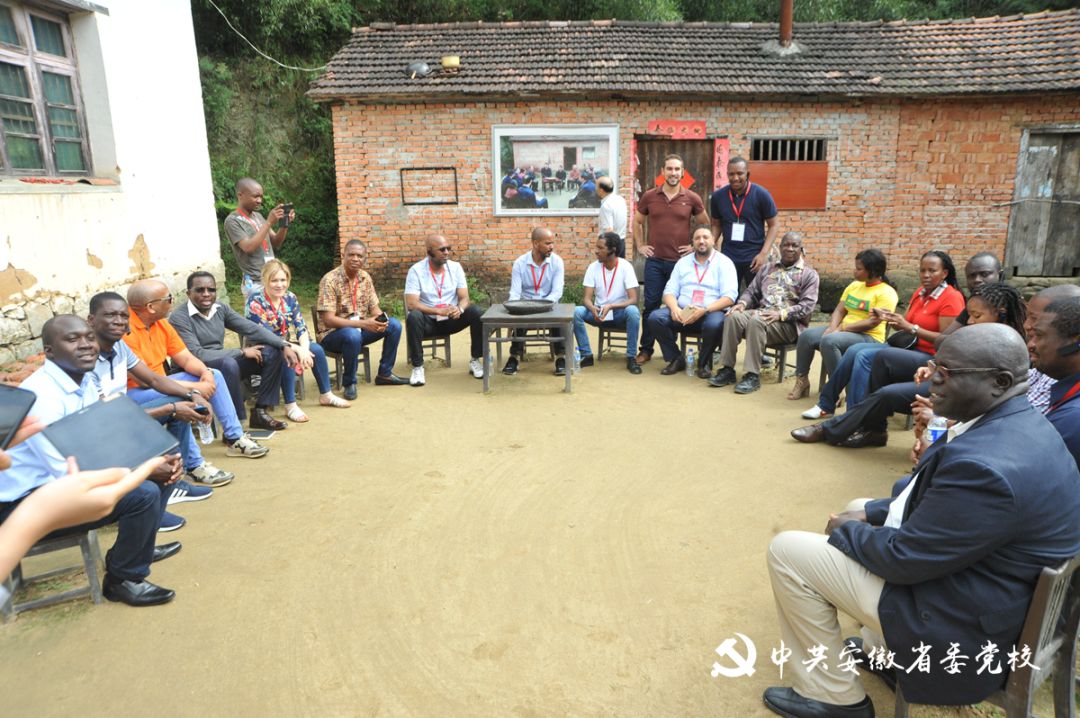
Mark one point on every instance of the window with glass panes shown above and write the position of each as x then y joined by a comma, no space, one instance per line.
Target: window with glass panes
41,125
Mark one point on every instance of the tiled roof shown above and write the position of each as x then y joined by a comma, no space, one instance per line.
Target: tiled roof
1022,53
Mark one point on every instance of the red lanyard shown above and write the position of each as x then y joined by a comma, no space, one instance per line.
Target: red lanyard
608,285
253,223
355,291
537,282
731,196
442,278
279,318
703,271
1068,395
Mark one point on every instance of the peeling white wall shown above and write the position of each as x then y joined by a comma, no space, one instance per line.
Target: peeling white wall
139,78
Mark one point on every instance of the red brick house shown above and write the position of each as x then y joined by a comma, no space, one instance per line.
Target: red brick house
961,135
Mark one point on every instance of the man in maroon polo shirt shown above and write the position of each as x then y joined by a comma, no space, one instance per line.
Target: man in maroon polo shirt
669,212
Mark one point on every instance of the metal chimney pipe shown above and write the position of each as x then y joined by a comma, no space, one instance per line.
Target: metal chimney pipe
787,12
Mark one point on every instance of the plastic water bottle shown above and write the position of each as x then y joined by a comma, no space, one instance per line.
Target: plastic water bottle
691,361
936,428
206,434
577,360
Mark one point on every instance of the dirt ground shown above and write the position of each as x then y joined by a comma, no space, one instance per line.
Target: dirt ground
439,552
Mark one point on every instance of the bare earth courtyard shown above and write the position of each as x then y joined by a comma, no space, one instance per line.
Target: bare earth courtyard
439,552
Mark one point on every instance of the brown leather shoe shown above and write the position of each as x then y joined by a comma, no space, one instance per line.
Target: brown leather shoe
643,357
812,434
674,367
260,419
861,439
800,390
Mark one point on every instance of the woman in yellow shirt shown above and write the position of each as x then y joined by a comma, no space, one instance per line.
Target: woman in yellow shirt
851,322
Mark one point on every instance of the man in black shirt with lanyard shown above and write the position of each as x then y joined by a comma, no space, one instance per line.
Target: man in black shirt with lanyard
745,215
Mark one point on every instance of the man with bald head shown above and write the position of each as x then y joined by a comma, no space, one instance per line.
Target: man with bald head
253,237
153,339
537,274
437,300
952,561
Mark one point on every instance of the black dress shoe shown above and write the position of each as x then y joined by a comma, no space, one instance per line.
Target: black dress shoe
632,366
887,675
725,376
511,366
703,373
165,550
749,384
674,367
861,439
260,419
135,593
809,434
587,360
790,704
392,380
560,367
350,392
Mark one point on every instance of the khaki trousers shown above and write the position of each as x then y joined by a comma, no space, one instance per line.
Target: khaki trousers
811,580
757,333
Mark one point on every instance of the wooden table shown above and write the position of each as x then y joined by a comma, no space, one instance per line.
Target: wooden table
497,318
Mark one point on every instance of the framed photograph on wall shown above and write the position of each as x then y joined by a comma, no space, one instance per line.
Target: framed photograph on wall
551,169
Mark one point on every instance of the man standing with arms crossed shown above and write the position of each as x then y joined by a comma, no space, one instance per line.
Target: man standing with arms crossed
745,214
668,211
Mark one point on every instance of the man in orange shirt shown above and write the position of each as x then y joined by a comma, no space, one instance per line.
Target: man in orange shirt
154,340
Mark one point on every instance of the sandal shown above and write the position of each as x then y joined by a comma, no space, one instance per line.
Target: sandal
296,415
335,401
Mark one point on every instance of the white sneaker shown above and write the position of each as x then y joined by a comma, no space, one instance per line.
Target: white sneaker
417,377
816,413
247,447
476,366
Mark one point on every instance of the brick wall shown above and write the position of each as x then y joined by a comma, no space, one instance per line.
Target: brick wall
905,176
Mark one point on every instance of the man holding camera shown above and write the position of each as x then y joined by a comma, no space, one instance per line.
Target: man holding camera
252,237
350,317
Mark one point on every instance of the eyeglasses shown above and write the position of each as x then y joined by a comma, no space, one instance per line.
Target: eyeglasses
167,299
945,371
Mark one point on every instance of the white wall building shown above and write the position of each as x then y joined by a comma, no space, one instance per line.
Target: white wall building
104,166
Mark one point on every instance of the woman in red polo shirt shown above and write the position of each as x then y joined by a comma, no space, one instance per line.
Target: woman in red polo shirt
933,308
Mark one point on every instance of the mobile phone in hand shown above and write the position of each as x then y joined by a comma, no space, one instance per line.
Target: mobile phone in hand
15,404
382,318
288,211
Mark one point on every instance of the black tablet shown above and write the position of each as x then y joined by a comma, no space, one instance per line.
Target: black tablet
115,432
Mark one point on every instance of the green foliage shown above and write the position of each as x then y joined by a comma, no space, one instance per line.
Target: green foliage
846,10
573,291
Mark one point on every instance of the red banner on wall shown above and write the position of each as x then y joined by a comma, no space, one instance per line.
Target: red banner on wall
678,129
721,151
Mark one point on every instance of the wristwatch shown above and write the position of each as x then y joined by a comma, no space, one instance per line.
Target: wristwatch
192,394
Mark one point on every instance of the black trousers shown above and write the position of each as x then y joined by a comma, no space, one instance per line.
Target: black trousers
236,369
419,326
872,412
517,348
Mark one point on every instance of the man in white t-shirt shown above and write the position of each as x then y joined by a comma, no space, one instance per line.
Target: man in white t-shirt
610,299
613,213
437,300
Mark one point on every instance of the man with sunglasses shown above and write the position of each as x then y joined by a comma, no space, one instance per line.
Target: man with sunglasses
201,323
951,562
154,340
437,302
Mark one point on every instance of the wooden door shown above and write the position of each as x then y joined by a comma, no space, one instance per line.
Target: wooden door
1044,225
697,164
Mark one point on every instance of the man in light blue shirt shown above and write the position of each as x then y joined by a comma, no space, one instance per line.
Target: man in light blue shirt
537,274
701,287
65,384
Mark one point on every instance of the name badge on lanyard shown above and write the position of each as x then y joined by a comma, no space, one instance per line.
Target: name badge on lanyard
738,227
738,232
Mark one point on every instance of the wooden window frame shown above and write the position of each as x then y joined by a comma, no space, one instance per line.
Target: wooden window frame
809,190
35,62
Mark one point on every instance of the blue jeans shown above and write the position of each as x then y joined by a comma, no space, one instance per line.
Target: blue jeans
852,372
626,317
665,328
220,402
319,368
348,341
189,448
832,348
657,274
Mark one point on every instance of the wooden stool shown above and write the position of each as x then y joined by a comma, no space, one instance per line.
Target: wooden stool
87,542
